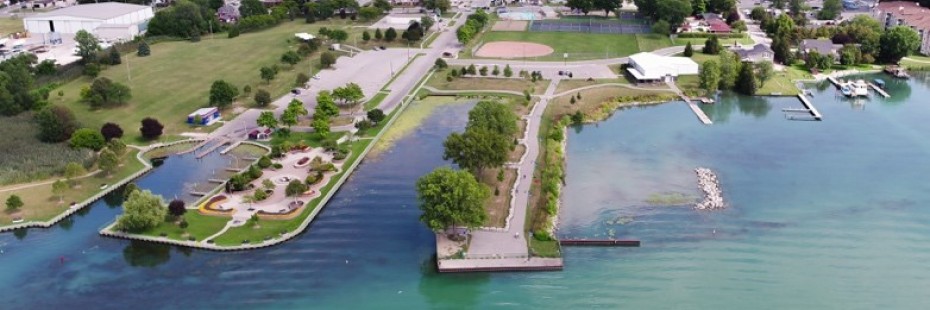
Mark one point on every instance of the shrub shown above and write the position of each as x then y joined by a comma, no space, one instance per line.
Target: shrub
56,123
233,32
151,128
264,162
87,138
277,166
111,131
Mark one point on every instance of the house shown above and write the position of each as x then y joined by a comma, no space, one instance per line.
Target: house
709,22
227,13
649,67
823,47
204,116
755,54
131,19
904,13
260,134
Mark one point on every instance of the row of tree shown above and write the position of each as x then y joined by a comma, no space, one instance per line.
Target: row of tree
474,24
674,11
729,73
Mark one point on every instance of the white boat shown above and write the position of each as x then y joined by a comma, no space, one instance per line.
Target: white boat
856,89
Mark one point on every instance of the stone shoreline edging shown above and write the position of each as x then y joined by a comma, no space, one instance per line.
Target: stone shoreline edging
147,166
106,231
713,196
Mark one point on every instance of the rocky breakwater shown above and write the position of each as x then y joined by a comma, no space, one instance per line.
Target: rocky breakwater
713,197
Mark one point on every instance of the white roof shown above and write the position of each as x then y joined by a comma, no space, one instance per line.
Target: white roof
101,11
304,36
203,111
656,66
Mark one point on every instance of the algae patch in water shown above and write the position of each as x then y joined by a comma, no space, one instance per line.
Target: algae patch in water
669,199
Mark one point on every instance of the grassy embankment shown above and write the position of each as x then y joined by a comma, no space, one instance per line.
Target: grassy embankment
40,204
175,79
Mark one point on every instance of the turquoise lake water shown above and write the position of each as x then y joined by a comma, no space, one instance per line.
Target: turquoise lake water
823,215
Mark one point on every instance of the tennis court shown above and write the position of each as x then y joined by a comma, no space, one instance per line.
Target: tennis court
589,26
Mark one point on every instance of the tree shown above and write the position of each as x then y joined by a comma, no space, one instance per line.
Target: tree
661,27
496,71
151,128
721,6
782,52
369,13
465,33
301,79
366,36
268,74
850,55
114,56
483,71
710,76
426,23
222,93
729,69
672,11
375,115
46,67
390,34
87,138
338,35
378,35
327,59
72,171
898,42
477,148
58,189
295,188
56,123
746,83
757,13
267,119
289,118
233,32
831,9
472,70
689,51
739,26
698,7
13,203
111,131
413,33
143,50
585,6
441,5
320,126
779,4
384,5
607,5
711,46
440,63
262,98
141,211
350,94
508,72
104,93
451,198
108,161
117,146
765,72
176,208
251,7
290,58
87,46
493,116
325,105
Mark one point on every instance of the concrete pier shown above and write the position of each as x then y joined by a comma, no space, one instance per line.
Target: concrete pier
879,90
810,107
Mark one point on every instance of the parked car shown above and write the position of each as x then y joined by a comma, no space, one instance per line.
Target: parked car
295,91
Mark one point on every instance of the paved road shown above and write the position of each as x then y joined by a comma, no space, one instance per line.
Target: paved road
512,241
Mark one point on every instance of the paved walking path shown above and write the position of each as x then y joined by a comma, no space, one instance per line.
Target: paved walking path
511,241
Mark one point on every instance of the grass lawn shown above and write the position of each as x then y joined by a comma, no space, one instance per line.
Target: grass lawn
10,25
269,229
310,138
566,85
375,100
248,150
544,248
579,46
438,81
41,205
176,78
199,226
169,150
651,41
779,85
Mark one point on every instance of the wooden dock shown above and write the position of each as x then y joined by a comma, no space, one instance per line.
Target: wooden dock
599,242
231,147
212,148
879,90
199,145
694,107
810,107
834,81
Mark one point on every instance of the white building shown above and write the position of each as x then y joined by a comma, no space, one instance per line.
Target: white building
115,20
651,67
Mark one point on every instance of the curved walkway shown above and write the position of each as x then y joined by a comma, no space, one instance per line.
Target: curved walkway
612,85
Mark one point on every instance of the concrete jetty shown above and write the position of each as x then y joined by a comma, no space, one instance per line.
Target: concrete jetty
212,148
879,90
810,107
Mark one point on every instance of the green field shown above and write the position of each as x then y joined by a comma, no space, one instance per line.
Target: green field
200,227
175,80
10,25
579,46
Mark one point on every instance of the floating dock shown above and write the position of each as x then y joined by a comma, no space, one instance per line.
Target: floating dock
212,148
810,107
599,242
879,90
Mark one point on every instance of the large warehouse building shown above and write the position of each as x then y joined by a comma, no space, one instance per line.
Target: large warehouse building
109,20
